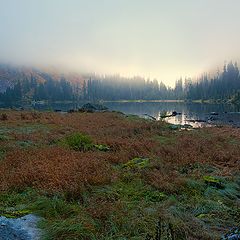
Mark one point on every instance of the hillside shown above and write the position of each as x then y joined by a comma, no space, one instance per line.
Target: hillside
10,74
22,83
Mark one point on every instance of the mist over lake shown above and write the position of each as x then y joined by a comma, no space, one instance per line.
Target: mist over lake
119,120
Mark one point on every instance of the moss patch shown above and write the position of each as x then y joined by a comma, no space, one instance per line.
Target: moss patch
213,181
137,163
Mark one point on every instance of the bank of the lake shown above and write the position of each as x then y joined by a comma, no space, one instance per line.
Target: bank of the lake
189,112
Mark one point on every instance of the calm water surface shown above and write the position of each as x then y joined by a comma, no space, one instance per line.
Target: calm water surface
189,111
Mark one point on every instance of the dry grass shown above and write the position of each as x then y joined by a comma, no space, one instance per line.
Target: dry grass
54,170
57,169
192,149
204,146
175,159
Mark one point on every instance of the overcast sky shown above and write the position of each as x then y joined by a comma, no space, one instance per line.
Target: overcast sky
161,39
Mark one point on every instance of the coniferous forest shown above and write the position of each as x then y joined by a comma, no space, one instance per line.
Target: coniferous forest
225,85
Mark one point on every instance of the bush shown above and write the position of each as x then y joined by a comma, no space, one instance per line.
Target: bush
3,117
78,142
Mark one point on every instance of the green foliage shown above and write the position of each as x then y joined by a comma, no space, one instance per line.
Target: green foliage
190,210
197,167
24,144
214,182
194,188
165,230
174,126
24,129
137,163
78,142
170,139
15,214
102,147
132,192
13,199
2,153
4,138
26,88
132,117
67,229
53,207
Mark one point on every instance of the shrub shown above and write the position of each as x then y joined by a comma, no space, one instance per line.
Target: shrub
78,142
3,117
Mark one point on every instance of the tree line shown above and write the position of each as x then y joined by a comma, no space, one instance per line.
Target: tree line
31,89
223,85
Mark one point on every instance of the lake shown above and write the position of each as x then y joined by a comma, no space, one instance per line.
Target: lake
190,113
196,114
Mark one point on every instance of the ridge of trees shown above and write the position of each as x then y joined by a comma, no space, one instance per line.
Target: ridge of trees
31,89
219,87
224,85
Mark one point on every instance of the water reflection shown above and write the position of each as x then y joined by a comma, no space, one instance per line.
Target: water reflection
196,114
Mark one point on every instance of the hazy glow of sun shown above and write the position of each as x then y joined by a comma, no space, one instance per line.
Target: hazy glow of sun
155,39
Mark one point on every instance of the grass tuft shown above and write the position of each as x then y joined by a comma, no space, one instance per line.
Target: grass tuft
78,142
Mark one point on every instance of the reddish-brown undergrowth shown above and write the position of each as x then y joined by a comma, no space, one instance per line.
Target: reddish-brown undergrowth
53,169
214,149
58,169
191,152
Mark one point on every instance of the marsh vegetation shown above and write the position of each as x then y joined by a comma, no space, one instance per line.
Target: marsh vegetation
113,176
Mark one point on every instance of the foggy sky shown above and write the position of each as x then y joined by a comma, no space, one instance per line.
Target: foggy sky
152,38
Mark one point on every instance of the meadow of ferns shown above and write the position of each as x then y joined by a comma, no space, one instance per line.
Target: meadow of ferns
94,194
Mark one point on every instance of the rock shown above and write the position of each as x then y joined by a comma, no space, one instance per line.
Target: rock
211,118
196,120
90,107
213,113
174,126
234,234
147,116
234,237
186,126
24,228
71,111
200,121
174,113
